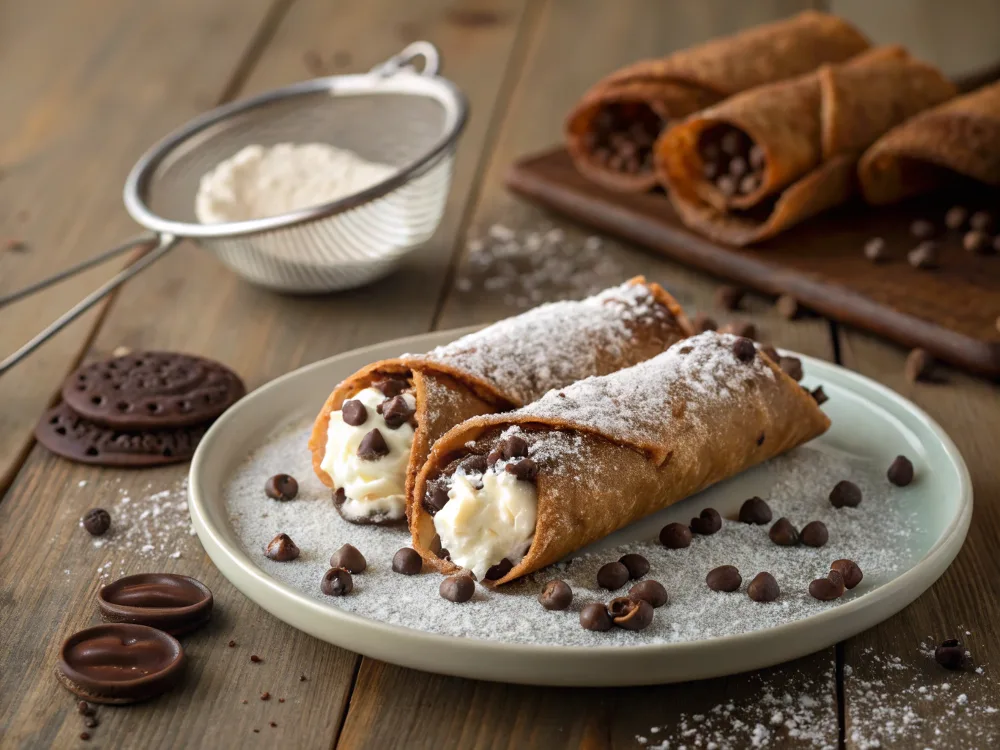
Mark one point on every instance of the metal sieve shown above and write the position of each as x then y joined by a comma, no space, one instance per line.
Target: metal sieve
394,114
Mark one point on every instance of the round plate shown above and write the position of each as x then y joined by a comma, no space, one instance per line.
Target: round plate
869,421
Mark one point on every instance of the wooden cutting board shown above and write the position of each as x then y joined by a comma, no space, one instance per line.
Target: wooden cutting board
953,311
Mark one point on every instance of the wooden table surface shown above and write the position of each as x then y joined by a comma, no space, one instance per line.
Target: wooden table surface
87,86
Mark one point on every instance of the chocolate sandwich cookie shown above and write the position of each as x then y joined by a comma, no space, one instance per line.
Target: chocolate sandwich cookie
172,603
69,435
120,663
152,390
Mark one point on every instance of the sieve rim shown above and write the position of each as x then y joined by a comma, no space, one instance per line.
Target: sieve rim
402,81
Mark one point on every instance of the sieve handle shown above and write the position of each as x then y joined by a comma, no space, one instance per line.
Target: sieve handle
405,58
164,243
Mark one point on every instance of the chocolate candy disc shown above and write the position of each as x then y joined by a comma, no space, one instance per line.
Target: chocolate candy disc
120,663
172,603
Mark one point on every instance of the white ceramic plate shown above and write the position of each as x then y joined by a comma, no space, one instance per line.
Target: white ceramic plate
869,421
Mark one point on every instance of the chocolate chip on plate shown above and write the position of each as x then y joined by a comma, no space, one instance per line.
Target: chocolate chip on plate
845,494
458,588
763,588
630,614
372,446
525,469
120,663
875,250
783,533
900,471
922,229
708,522
172,603
919,366
755,511
976,241
675,536
849,571
649,591
556,595
337,582
514,446
729,297
814,534
391,386
829,588
612,575
702,323
924,256
981,220
594,616
636,564
792,367
407,561
498,571
788,307
354,413
724,578
474,464
396,411
281,487
956,217
96,521
350,558
950,654
282,548
744,349
819,395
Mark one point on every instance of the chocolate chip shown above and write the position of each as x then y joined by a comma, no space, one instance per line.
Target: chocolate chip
649,591
922,229
919,366
814,534
435,499
84,709
900,471
636,564
763,588
339,496
630,614
90,722
729,297
708,522
757,156
724,578
282,548
474,464
737,166
556,596
350,558
457,588
495,455
373,446
594,616
612,575
232,644
498,571
710,170
337,582
755,511
525,469
742,328
924,256
675,536
770,352
950,654
788,307
255,659
819,395
849,571
976,241
981,220
784,533
265,696
829,588
845,493
407,561
702,323
354,413
956,217
396,411
514,446
732,142
727,185
84,736
792,367
281,487
96,521
875,250
391,387
749,183
744,350
443,554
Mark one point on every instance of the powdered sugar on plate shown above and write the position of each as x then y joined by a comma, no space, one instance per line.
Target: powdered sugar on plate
881,535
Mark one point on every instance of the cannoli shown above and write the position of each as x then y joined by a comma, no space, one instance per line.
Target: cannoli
377,427
762,161
960,138
610,133
503,495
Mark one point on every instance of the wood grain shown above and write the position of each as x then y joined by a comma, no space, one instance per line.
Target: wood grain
966,598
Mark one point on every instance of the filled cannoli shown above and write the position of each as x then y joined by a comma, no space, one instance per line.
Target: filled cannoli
503,495
764,160
377,427
957,139
611,131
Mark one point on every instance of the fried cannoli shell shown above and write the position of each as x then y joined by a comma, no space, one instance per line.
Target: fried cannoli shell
958,138
612,450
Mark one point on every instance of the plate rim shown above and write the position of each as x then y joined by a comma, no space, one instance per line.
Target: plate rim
240,570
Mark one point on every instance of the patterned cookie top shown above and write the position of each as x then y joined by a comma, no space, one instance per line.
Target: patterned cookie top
151,390
561,342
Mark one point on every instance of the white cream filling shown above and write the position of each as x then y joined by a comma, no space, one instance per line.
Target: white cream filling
372,488
480,527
